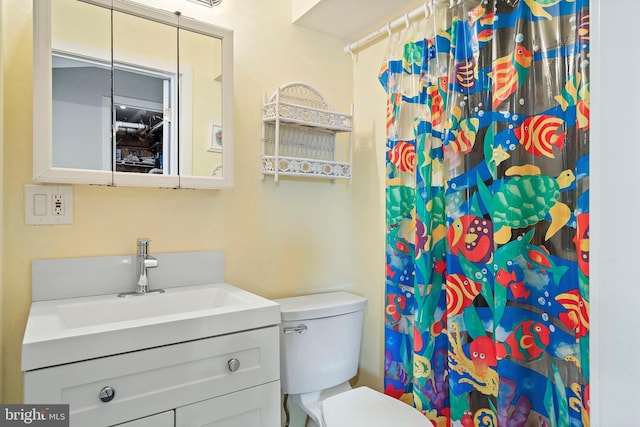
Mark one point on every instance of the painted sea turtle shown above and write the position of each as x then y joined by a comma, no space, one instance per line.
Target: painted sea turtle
527,198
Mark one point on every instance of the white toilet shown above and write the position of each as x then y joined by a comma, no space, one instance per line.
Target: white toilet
319,351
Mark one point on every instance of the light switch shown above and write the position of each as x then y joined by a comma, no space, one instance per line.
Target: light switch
48,204
39,204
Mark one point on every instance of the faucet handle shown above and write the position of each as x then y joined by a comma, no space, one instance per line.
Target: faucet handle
143,241
150,262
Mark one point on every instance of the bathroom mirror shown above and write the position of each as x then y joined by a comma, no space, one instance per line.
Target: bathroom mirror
200,58
129,95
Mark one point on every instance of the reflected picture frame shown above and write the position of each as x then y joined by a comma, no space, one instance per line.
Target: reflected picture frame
215,137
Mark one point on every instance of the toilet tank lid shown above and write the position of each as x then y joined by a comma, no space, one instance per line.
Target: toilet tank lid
320,305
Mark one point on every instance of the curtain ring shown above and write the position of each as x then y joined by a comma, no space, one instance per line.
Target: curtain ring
426,10
406,20
451,4
389,28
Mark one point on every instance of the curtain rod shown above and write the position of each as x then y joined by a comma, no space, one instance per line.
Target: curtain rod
425,11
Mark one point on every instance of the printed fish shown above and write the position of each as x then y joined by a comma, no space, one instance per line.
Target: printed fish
509,73
538,258
454,118
403,155
576,93
475,14
539,134
473,237
466,74
577,315
466,135
579,402
538,7
527,342
467,419
443,89
438,326
401,247
389,272
487,19
460,292
583,28
393,109
437,105
569,94
510,280
583,107
485,35
443,85
581,240
483,354
396,303
484,26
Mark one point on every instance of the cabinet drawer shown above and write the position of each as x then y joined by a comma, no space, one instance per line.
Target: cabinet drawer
165,419
158,379
254,407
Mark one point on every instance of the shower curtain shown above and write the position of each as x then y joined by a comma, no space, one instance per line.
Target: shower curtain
487,214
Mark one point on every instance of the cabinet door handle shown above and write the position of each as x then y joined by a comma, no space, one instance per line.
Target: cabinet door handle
299,329
233,364
107,394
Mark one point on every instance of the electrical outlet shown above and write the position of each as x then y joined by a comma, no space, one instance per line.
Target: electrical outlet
48,204
58,204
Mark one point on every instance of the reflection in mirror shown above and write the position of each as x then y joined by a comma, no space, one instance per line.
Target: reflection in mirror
144,92
81,82
200,56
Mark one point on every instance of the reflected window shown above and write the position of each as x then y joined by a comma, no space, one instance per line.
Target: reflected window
85,111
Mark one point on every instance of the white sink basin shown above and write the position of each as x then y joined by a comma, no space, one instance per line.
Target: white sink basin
74,329
76,313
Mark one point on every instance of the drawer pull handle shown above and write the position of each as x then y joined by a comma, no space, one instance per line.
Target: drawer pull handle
107,394
299,329
233,364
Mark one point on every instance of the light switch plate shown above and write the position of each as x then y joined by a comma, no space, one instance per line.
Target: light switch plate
48,204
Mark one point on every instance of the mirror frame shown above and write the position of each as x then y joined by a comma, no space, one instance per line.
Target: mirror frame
43,169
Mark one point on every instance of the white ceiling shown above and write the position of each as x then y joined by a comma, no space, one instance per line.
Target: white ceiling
353,19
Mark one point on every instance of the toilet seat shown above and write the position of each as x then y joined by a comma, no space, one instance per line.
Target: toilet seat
364,407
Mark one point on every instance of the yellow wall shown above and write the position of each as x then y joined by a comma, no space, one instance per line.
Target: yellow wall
280,239
298,236
2,347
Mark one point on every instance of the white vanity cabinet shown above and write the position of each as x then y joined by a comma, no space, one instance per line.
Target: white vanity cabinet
228,380
253,407
165,419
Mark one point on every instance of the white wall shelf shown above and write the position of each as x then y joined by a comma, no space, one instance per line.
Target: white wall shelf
299,135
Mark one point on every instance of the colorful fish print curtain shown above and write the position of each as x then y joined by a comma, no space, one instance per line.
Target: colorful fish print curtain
487,217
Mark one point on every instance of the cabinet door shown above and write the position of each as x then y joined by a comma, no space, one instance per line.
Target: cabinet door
158,379
165,419
254,407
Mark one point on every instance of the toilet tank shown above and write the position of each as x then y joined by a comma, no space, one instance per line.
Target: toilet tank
320,338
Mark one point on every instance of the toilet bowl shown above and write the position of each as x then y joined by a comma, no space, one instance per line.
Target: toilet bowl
319,351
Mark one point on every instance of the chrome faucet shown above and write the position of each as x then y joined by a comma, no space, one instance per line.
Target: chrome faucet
144,262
